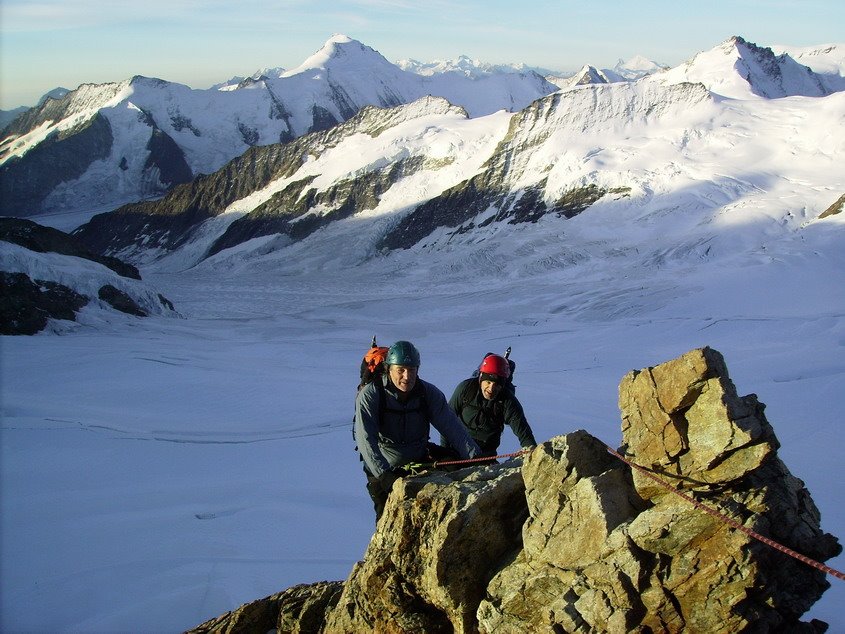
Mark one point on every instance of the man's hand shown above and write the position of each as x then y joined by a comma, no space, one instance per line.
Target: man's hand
387,478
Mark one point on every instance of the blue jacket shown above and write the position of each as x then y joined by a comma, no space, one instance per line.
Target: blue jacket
396,432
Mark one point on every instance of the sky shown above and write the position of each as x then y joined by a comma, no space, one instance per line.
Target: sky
45,44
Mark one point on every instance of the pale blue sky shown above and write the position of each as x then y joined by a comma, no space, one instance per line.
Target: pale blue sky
49,43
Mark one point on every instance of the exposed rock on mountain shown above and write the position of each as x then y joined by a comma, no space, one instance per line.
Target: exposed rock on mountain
277,189
142,136
48,240
835,208
740,69
570,539
170,222
46,274
61,157
26,305
516,185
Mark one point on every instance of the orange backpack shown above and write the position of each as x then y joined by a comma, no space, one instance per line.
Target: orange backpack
372,365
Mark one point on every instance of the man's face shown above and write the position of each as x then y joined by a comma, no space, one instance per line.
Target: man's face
404,377
490,389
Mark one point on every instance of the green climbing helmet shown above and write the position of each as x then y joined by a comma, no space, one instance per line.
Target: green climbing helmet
403,353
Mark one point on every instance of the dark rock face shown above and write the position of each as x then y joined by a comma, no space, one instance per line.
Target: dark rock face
43,239
168,159
26,181
300,609
169,222
571,539
119,300
287,211
26,305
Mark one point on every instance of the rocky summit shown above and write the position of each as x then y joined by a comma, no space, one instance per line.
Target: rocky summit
579,537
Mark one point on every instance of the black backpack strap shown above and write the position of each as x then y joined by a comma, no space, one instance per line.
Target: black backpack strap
418,390
470,391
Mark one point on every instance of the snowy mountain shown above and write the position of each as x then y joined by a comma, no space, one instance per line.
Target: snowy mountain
242,82
467,66
587,75
113,143
7,116
738,69
636,67
827,60
426,174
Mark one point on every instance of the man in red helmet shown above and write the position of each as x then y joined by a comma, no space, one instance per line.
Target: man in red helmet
486,403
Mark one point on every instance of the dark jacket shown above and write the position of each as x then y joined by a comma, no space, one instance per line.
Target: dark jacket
395,432
485,420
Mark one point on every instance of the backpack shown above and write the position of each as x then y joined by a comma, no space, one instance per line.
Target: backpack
372,365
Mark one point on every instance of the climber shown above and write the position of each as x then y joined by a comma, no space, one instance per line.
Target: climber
485,403
393,415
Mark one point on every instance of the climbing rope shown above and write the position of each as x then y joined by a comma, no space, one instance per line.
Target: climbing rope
419,467
729,521
443,463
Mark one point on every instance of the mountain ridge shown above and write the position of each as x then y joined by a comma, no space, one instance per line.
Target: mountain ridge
267,111
560,156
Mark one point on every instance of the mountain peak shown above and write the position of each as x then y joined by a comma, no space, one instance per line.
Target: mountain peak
339,50
740,69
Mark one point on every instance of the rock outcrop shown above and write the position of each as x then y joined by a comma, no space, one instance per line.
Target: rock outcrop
570,538
35,289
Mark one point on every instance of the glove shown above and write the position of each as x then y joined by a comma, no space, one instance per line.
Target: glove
387,478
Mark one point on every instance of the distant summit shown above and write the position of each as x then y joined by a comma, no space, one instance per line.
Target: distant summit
341,52
637,67
7,116
467,66
740,69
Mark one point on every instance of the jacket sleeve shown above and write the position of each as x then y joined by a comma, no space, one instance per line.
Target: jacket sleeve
456,404
449,425
366,430
515,418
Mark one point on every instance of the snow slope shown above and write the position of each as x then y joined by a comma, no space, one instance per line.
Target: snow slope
157,472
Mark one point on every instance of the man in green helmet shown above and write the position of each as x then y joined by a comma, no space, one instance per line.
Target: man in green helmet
393,417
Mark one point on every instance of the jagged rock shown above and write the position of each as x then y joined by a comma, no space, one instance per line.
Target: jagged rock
684,417
298,610
27,305
575,540
438,543
834,209
119,300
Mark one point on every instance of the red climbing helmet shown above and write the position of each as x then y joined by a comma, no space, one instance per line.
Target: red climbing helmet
495,365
